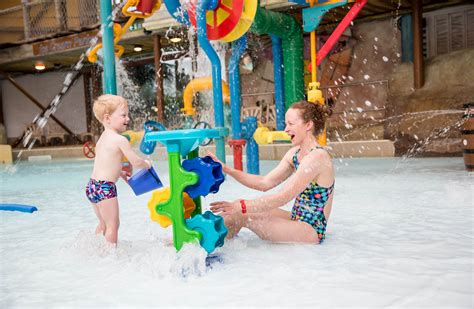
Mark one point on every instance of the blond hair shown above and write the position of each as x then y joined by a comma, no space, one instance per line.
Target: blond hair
107,104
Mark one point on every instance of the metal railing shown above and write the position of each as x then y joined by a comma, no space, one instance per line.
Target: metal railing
36,19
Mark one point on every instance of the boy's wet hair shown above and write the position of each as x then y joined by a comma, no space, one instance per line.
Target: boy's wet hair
315,112
107,104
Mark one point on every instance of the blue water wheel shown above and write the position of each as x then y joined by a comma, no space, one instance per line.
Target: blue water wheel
216,172
212,229
206,178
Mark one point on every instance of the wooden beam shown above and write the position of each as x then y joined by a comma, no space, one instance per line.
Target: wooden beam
418,62
160,100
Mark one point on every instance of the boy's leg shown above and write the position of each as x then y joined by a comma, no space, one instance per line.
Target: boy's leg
109,211
100,229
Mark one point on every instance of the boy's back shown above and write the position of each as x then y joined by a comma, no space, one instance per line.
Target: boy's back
108,159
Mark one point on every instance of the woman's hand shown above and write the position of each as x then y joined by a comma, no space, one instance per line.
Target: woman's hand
225,168
226,208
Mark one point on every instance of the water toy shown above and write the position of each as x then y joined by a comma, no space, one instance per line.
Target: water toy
18,207
206,229
212,229
162,195
210,176
150,126
145,181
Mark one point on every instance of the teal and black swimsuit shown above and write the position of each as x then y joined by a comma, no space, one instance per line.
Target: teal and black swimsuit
309,204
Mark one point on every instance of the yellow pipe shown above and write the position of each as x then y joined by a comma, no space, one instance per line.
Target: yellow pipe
119,31
197,85
263,136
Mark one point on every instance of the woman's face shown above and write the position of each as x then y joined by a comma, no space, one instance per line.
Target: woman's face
296,128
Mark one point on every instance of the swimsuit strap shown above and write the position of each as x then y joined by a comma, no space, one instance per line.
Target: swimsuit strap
295,156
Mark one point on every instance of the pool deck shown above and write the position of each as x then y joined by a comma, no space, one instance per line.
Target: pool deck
373,148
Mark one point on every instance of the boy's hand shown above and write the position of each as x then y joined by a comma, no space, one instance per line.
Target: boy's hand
148,162
125,175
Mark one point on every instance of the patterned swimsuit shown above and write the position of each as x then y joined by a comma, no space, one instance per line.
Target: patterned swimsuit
309,204
99,190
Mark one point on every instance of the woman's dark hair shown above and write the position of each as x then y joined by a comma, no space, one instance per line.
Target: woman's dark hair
315,112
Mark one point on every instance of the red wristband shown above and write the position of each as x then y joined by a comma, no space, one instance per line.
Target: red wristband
243,206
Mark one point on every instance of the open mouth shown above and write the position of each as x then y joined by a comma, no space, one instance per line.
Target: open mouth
292,136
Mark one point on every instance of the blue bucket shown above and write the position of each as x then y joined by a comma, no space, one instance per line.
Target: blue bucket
145,181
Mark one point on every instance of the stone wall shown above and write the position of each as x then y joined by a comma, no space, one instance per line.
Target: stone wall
428,120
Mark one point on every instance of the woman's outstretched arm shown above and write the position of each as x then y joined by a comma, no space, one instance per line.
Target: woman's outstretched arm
309,169
262,183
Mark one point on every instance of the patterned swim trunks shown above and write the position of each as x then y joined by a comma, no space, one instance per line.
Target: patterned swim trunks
99,190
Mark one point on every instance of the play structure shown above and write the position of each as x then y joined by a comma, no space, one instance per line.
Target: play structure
191,177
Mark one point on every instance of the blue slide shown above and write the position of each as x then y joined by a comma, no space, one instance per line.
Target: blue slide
18,207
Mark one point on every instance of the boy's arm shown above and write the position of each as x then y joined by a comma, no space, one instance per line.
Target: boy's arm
132,157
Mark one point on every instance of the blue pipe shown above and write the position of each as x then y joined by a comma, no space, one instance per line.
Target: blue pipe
201,8
238,48
249,126
110,81
279,86
177,12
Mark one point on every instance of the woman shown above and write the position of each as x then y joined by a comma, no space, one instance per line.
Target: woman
310,173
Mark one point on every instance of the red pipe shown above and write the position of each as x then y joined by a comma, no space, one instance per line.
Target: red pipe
237,145
336,34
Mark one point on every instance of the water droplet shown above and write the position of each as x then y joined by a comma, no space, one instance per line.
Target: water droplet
376,39
385,59
359,109
368,103
366,76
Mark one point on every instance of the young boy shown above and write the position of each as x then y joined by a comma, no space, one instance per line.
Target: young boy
112,112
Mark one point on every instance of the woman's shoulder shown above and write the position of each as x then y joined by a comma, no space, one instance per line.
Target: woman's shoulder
320,154
291,152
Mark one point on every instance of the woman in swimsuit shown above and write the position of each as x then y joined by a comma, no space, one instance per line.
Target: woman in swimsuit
310,173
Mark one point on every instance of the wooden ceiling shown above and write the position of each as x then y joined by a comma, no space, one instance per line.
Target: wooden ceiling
374,9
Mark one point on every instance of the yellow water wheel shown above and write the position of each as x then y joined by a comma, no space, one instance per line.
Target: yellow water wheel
162,195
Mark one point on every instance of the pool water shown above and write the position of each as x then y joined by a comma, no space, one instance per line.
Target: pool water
400,235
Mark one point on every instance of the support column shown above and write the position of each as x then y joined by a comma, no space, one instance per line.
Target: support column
26,19
158,78
418,63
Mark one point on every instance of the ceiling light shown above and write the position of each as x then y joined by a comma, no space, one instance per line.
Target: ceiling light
138,48
40,66
176,39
